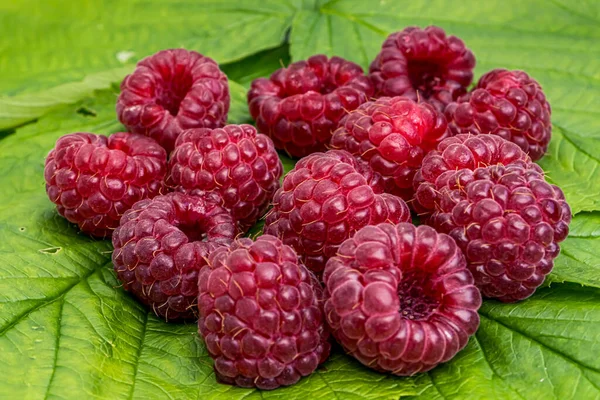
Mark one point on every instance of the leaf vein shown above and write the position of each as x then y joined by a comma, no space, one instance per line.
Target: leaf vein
138,355
56,347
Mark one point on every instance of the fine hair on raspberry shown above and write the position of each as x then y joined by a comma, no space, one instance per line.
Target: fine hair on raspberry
160,246
234,165
261,314
509,104
400,298
173,90
392,134
423,63
300,106
324,200
94,179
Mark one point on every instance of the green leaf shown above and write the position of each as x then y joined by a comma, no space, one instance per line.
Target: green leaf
544,347
579,259
238,112
259,65
573,163
67,328
25,107
53,44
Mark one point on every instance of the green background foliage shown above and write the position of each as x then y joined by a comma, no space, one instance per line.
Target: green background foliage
67,329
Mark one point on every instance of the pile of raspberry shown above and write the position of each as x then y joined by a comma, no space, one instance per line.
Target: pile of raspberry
340,257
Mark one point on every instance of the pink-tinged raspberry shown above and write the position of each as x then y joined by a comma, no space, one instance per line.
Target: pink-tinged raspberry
161,245
324,200
504,215
509,104
235,165
423,63
261,314
300,106
173,90
462,151
400,298
94,179
392,135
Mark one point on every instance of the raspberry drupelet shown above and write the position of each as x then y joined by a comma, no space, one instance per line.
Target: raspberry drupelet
425,64
509,104
400,298
261,314
392,134
173,90
234,165
94,179
160,246
324,200
300,106
499,208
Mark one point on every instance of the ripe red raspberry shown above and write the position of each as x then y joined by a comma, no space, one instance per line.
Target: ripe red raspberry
161,245
400,298
93,179
173,90
423,63
509,104
324,200
299,106
456,153
261,315
506,218
392,135
235,165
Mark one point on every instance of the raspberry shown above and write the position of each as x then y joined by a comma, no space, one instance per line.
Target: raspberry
260,314
392,135
93,179
509,104
423,63
324,200
456,153
506,218
234,163
400,298
161,245
299,106
173,90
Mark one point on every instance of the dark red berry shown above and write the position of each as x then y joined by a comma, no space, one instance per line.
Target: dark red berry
457,153
392,135
261,315
300,106
235,165
324,200
425,64
509,104
161,245
400,298
173,90
94,179
503,214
